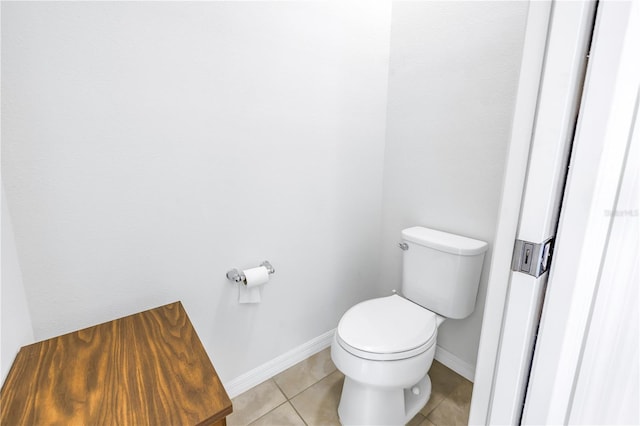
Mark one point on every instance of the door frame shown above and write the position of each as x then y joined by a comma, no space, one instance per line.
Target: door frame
531,68
568,42
550,409
604,135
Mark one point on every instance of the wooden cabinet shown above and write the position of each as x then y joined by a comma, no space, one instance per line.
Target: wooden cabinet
148,368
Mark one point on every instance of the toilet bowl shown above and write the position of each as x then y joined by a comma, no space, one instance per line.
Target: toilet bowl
385,346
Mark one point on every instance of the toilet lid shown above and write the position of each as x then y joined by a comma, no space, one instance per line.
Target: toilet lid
387,325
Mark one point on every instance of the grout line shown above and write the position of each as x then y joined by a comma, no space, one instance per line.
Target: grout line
447,397
293,396
314,383
426,416
279,388
298,413
304,389
422,418
291,403
267,413
279,364
289,399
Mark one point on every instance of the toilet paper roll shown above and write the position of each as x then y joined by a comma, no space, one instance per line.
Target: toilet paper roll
254,278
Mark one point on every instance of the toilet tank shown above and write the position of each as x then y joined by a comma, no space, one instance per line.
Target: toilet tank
441,271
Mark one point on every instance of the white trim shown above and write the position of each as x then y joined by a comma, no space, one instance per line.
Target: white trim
451,361
558,104
601,140
263,372
512,194
254,377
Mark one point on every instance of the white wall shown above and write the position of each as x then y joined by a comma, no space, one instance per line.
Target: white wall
150,147
452,85
16,330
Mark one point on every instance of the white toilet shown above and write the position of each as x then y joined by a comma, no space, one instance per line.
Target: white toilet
385,346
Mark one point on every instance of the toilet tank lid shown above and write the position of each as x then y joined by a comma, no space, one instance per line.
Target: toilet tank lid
444,241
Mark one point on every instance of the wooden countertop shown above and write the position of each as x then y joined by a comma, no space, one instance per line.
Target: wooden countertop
148,368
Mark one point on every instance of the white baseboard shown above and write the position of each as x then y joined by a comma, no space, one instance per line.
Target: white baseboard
464,369
277,365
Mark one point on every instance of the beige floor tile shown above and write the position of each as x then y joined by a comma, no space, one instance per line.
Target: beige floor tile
417,420
255,403
318,405
443,382
426,422
461,396
448,413
454,409
302,375
283,415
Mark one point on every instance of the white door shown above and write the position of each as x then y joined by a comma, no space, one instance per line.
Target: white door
585,367
560,385
560,34
559,100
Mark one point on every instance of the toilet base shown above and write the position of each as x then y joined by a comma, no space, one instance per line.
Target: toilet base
362,404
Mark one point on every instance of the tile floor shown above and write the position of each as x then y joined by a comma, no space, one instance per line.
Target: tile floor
308,394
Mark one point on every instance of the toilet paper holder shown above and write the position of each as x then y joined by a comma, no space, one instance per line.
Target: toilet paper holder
238,276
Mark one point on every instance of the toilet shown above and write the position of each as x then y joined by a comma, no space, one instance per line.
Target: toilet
385,346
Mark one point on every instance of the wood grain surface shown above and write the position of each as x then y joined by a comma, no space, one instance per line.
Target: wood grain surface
145,369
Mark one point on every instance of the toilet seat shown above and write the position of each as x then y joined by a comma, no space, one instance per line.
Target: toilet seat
387,328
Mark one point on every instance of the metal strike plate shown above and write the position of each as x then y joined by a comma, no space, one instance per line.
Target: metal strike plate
532,258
